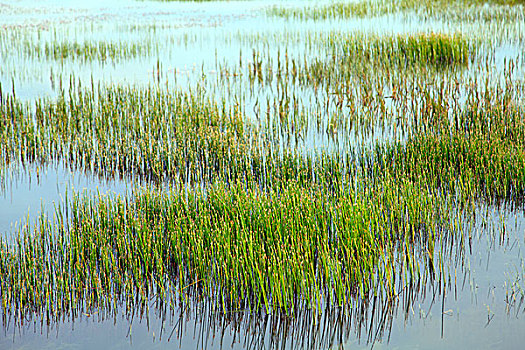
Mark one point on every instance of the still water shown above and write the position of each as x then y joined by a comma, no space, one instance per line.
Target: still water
482,305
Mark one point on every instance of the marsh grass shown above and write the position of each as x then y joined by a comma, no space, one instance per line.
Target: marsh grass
479,154
244,249
360,83
246,223
151,133
343,51
365,57
389,53
318,233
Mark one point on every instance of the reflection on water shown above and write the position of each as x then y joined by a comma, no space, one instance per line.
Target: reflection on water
476,299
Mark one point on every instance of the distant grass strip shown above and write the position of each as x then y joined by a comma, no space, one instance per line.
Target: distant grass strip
431,48
448,10
399,51
89,50
348,56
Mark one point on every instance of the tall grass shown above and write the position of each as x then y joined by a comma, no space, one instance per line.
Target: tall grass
152,134
88,51
289,248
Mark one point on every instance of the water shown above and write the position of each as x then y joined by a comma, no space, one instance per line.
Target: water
480,310
36,189
482,307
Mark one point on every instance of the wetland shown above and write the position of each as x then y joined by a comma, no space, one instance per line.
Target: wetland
262,174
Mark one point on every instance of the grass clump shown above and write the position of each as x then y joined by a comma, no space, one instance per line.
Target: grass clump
420,49
432,48
289,248
359,9
478,154
152,134
89,51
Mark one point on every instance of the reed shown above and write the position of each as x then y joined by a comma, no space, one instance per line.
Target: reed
480,153
88,51
242,248
150,133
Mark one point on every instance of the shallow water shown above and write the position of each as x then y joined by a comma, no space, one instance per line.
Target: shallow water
33,190
482,308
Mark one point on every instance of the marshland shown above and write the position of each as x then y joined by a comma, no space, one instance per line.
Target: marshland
262,174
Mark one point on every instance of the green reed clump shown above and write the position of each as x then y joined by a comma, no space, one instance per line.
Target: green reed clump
479,153
437,49
148,133
359,81
347,56
153,135
242,248
433,48
359,9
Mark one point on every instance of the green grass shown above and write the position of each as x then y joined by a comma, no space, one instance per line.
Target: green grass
319,231
90,51
479,154
150,133
244,249
349,56
359,80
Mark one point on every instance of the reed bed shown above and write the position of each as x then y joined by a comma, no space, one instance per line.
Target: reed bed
150,133
431,48
476,160
315,232
360,9
244,249
185,138
346,55
361,83
344,52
